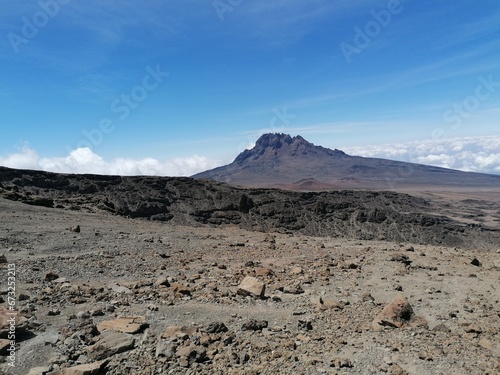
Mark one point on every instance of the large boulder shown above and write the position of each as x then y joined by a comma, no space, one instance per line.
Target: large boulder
132,324
252,286
396,314
95,368
111,344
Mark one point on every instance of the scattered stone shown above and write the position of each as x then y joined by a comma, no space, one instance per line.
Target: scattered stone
165,348
120,289
402,258
473,328
23,297
111,344
95,368
326,303
305,324
324,330
395,369
294,289
75,228
342,363
152,307
367,297
40,370
476,262
193,353
254,325
396,314
485,343
264,272
133,324
441,328
51,339
216,327
162,281
182,332
180,289
3,259
252,286
332,304
183,362
51,276
96,312
83,314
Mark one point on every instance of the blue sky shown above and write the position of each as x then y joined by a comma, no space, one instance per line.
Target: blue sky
176,87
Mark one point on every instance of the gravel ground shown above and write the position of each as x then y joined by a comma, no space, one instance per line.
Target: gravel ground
129,296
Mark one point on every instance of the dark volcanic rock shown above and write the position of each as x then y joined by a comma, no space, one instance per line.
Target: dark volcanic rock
366,215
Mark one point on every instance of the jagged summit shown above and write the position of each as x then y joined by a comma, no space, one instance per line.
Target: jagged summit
282,161
280,145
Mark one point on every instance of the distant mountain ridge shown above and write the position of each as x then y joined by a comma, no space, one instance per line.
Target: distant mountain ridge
282,161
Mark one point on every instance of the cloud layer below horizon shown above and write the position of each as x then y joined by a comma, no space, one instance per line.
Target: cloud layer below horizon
475,154
471,154
84,160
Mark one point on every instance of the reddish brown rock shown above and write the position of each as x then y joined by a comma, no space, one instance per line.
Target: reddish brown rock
396,314
264,272
111,344
178,332
180,289
132,324
86,369
252,286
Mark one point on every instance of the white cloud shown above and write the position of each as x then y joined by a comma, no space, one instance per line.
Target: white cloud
474,154
84,160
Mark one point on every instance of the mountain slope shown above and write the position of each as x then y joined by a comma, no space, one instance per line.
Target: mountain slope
279,160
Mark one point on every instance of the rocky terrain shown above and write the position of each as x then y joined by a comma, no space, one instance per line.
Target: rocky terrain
146,275
366,215
293,163
100,293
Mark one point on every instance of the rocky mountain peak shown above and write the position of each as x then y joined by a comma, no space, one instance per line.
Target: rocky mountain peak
283,146
286,162
277,140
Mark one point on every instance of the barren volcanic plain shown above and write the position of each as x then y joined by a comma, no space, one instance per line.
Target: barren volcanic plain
149,275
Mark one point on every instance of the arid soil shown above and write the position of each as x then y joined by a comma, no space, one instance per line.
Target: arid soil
102,293
147,275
